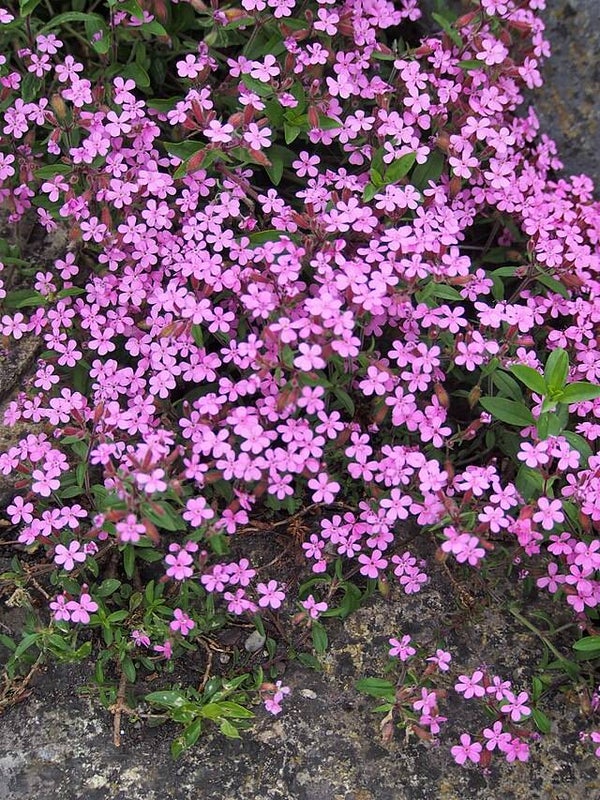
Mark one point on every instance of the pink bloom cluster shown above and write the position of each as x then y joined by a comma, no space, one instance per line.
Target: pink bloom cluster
502,735
214,347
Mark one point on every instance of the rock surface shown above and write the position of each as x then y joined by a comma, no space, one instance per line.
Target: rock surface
568,103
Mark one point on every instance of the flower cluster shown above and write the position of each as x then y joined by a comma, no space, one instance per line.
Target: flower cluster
281,287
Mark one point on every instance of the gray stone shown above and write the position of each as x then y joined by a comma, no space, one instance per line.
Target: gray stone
568,104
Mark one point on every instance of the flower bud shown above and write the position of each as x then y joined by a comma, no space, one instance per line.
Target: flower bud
474,396
465,19
442,395
59,107
383,585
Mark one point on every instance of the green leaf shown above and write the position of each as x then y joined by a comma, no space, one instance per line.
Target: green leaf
234,710
279,157
578,392
537,687
556,370
261,237
548,424
129,669
129,560
118,616
308,660
229,730
107,587
508,411
431,170
26,642
168,699
71,291
192,732
154,28
21,298
68,17
26,7
445,292
400,167
553,285
446,26
319,637
169,519
256,86
377,687
345,400
98,33
589,646
530,377
132,7
177,747
376,178
291,132
51,170
369,192
542,722
506,385
471,63
529,482
136,73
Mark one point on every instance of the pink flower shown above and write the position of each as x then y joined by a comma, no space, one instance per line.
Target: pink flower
140,638
271,593
372,564
80,610
59,609
197,511
68,556
441,659
181,622
257,138
466,750
274,695
44,483
179,565
549,513
314,608
238,603
470,686
166,649
20,511
130,530
515,750
324,490
402,648
152,482
516,706
496,737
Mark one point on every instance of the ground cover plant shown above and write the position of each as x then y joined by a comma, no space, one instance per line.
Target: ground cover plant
319,276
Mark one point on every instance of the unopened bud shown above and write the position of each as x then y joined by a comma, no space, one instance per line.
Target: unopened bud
383,585
59,107
313,117
443,142
474,396
465,19
442,395
151,531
